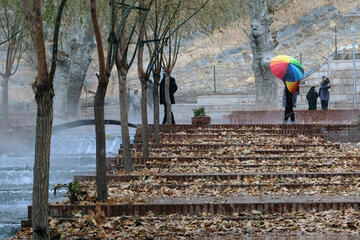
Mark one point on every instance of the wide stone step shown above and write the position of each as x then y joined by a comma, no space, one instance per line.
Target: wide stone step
213,205
220,176
243,167
189,159
209,146
301,116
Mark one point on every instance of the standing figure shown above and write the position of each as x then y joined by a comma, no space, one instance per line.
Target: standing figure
150,91
312,97
128,100
136,103
289,102
172,90
324,93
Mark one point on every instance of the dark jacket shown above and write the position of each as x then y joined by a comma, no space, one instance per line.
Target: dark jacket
312,97
324,93
172,90
293,97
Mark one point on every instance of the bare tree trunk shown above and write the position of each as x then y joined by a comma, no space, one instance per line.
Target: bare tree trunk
44,119
144,119
44,94
263,51
100,142
73,62
156,102
167,99
99,101
125,136
5,101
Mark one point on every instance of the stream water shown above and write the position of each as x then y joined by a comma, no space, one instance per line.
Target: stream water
72,153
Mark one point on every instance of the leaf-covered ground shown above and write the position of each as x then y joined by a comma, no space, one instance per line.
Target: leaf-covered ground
331,224
309,155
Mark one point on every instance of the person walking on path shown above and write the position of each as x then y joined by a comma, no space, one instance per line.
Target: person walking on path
312,97
172,90
324,93
289,102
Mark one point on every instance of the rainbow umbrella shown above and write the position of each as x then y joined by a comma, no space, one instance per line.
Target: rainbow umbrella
289,70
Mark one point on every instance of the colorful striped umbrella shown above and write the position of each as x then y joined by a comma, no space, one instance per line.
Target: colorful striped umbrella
289,70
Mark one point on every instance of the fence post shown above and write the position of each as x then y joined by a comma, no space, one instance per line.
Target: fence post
354,64
86,97
214,80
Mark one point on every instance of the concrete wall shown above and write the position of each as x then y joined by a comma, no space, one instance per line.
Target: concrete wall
344,116
342,86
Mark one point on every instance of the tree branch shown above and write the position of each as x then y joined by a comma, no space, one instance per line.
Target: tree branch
202,6
132,7
56,40
102,78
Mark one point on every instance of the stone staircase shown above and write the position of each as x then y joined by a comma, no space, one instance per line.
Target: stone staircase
285,176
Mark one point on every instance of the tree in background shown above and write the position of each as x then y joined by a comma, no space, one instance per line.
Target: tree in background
75,55
156,30
157,27
125,35
261,14
44,93
103,77
11,28
169,58
144,76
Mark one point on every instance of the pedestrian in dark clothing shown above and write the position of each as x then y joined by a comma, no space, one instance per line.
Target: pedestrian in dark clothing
289,102
324,93
150,91
172,90
312,97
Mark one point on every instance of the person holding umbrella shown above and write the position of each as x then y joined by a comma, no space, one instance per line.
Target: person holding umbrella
289,102
290,71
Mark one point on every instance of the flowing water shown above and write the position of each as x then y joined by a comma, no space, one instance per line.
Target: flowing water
72,153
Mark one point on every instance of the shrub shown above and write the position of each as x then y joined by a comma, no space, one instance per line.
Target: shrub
74,191
199,112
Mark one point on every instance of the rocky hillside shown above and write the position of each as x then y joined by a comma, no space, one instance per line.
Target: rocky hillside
305,29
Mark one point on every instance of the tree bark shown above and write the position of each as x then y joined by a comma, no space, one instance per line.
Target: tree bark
73,63
167,99
144,119
263,51
156,101
101,181
99,101
125,136
44,94
5,102
44,119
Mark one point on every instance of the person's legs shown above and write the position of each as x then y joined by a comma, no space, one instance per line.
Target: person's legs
289,108
172,118
323,104
292,117
164,119
286,116
326,104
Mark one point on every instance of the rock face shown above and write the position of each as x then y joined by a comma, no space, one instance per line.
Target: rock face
73,61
